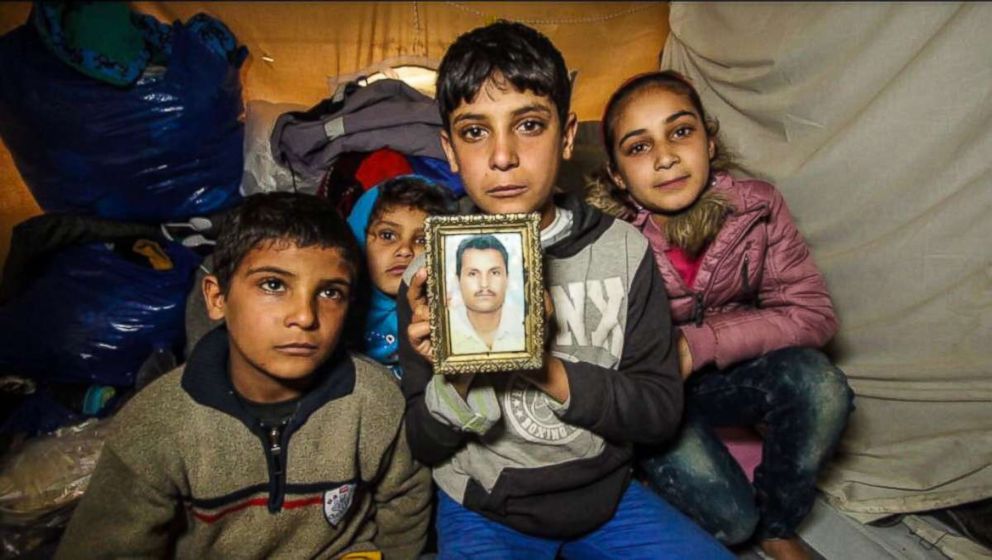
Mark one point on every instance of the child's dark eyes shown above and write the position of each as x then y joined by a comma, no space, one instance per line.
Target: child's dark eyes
637,148
682,132
421,240
277,286
387,235
532,126
336,294
472,132
272,285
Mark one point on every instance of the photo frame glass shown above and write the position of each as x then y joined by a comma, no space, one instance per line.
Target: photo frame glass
485,292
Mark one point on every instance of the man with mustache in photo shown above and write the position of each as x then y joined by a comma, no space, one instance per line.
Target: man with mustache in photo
481,325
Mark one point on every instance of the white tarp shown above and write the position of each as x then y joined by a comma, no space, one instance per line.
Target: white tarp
875,120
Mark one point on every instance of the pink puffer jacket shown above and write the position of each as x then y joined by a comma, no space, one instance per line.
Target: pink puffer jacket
757,289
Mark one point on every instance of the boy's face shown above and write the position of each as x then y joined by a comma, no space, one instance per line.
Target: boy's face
285,310
393,240
507,146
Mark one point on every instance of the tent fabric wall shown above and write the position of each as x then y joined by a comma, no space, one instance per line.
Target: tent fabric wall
298,49
874,120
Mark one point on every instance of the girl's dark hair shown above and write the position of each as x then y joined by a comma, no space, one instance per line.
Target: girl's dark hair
674,82
302,219
519,54
416,192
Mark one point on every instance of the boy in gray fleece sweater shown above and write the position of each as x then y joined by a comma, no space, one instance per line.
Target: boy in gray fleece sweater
536,464
272,441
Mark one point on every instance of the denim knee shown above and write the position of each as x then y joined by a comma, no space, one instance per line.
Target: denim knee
700,478
738,525
810,378
819,395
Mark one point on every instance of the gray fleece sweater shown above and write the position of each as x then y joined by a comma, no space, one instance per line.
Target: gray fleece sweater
188,473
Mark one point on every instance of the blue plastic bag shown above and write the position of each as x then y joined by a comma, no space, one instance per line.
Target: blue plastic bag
94,317
168,147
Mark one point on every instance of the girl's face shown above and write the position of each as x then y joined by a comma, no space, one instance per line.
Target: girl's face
393,240
662,151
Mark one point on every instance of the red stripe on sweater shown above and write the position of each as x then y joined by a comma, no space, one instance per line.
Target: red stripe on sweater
293,504
257,502
208,518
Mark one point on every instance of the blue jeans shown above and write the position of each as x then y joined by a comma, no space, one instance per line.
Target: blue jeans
643,527
801,399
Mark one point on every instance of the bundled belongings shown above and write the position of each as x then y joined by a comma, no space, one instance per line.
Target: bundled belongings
142,318
37,239
92,313
356,172
41,481
46,473
117,123
262,172
359,137
121,116
384,114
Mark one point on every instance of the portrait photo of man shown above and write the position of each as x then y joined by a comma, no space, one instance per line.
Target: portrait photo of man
485,304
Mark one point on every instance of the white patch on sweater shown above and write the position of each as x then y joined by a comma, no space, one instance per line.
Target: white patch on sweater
337,502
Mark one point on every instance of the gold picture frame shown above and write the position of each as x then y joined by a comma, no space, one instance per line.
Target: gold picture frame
464,291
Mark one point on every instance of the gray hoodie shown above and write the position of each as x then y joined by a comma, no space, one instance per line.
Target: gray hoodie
513,454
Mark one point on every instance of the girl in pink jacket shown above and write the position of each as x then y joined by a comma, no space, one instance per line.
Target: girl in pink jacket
751,309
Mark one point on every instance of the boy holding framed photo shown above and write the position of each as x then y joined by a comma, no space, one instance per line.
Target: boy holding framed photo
536,464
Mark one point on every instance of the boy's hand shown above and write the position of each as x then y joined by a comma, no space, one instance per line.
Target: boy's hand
461,383
419,330
551,379
549,314
685,357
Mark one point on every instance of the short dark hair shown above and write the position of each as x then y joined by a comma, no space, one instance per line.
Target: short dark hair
674,82
482,243
415,192
519,54
302,219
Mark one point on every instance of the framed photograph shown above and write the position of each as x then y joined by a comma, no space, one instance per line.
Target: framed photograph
485,290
